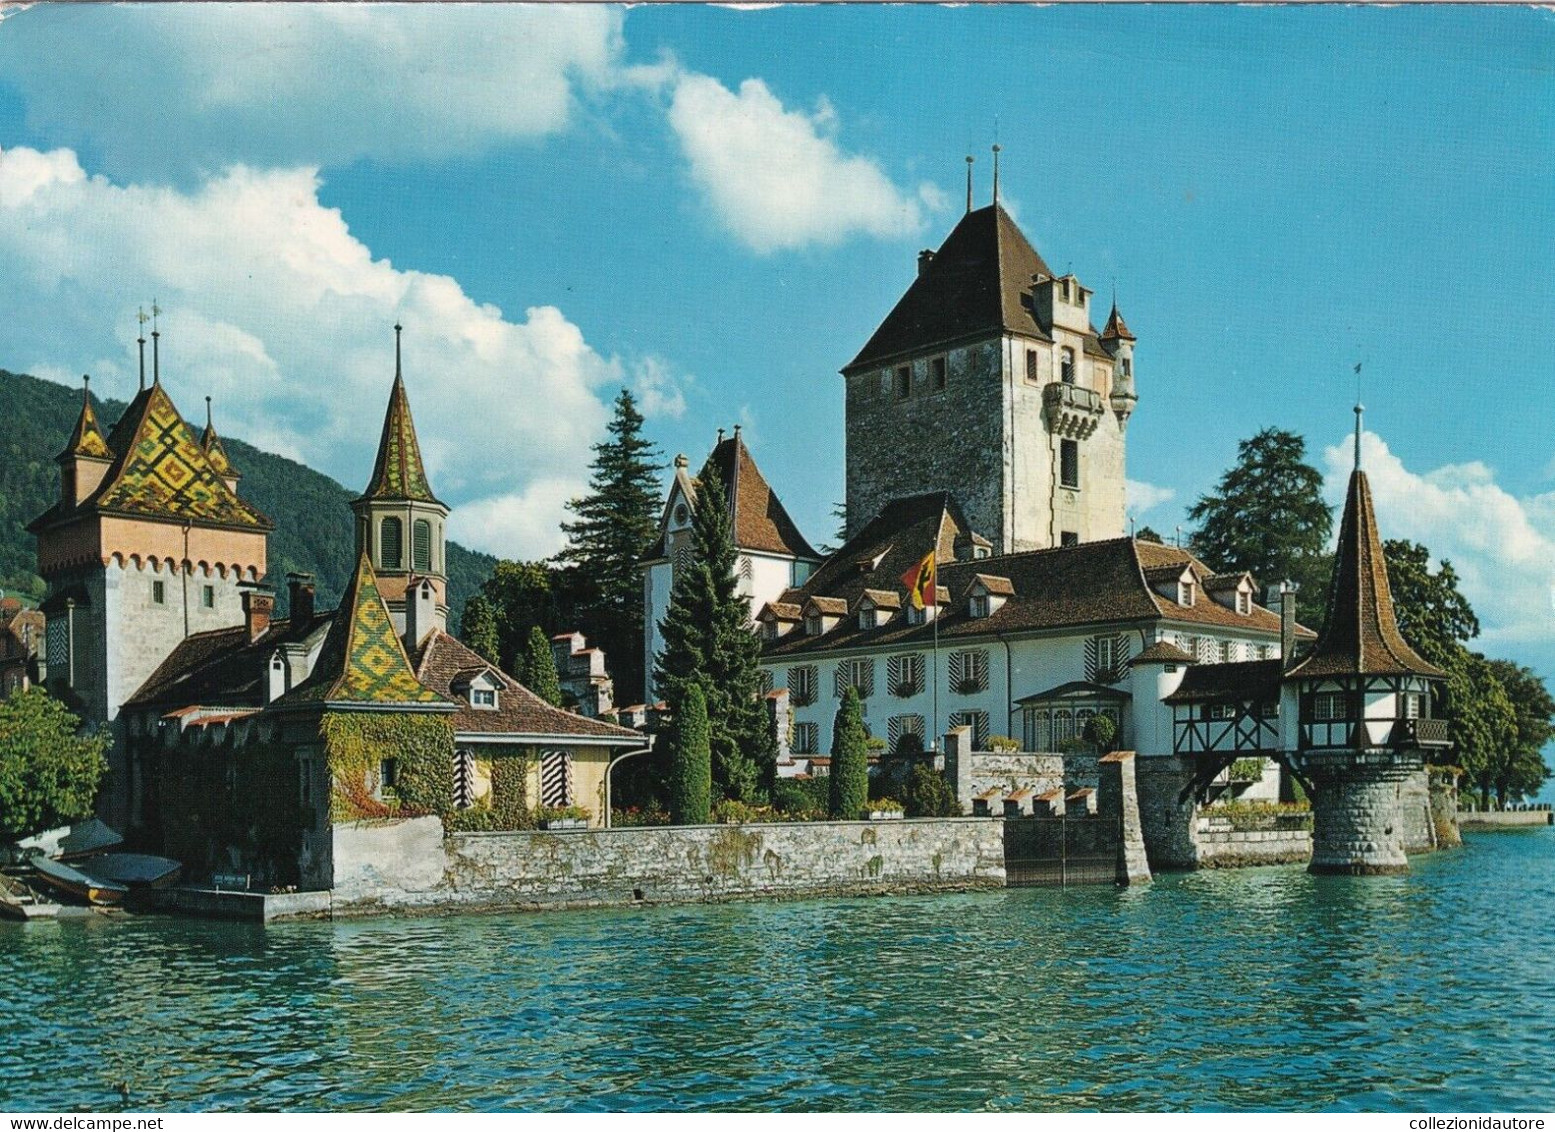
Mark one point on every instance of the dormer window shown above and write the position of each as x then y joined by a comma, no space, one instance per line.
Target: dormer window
770,630
1185,592
1244,602
922,616
483,698
813,625
979,605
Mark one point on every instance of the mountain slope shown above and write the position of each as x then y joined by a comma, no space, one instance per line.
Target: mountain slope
313,531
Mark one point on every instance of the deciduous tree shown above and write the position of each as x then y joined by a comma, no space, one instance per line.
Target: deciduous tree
49,770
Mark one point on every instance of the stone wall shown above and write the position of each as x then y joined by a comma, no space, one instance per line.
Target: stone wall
1222,846
385,866
1170,825
1357,830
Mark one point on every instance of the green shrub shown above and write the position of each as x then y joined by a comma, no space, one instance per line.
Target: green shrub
909,745
1003,744
1101,731
801,796
929,794
887,806
560,813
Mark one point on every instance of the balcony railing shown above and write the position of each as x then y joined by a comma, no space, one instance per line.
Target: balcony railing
1422,733
1064,395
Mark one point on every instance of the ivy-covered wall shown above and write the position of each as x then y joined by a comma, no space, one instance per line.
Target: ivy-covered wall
508,806
356,745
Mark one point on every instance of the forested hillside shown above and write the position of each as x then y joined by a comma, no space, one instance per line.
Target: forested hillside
312,519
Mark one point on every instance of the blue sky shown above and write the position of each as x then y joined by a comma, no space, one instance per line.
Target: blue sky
717,206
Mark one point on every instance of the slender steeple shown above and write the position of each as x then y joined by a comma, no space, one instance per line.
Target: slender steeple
399,472
969,160
996,149
1360,637
140,316
156,345
215,453
87,438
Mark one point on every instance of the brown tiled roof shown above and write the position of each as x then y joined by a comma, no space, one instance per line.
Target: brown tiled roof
1116,327
1163,652
1217,582
832,606
220,667
1360,637
978,284
1000,587
782,611
884,599
1226,683
759,519
442,660
1094,583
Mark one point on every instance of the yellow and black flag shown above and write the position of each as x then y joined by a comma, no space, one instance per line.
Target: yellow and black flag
919,581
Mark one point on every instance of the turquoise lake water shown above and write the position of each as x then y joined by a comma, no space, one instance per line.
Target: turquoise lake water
1257,989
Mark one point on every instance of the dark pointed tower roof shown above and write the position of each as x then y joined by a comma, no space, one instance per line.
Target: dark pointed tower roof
362,660
1361,636
975,285
87,438
1116,327
399,473
214,452
758,518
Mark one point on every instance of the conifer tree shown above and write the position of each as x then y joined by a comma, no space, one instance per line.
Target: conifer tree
478,628
691,767
1267,515
538,670
708,643
849,759
615,525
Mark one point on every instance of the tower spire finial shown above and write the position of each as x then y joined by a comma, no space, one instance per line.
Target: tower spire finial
996,148
397,330
207,410
1359,409
969,160
141,317
156,345
86,390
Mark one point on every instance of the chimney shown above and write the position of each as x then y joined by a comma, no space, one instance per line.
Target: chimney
1288,622
925,257
300,592
420,612
258,605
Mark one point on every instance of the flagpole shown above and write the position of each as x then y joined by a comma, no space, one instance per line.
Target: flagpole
936,658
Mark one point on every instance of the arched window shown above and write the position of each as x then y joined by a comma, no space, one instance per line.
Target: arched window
421,545
391,543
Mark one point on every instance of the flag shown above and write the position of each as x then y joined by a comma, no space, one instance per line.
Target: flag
919,581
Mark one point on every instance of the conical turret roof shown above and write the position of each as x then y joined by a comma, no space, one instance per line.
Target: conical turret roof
214,452
399,473
87,438
1116,327
1360,637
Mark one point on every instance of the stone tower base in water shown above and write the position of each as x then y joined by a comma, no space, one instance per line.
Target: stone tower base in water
1357,829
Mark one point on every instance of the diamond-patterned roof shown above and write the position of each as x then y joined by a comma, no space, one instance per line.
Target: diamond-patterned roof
362,659
162,471
87,439
214,452
399,473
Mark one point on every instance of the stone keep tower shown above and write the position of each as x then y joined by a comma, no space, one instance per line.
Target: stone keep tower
400,524
147,544
988,380
1360,706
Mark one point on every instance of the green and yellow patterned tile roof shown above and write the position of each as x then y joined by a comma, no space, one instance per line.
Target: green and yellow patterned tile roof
162,471
362,660
220,463
87,439
399,473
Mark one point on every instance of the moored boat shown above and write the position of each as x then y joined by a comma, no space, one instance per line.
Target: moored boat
81,839
92,889
19,902
137,870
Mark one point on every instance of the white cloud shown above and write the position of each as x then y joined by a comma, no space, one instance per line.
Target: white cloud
168,89
278,311
776,178
660,391
1143,496
1502,547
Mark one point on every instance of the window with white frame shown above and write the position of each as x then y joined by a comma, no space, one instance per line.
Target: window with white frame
1066,366
801,684
969,671
1063,726
1037,729
1187,592
1207,649
483,697
806,738
1228,652
860,673
1244,602
1327,706
1411,705
977,721
979,605
899,726
904,674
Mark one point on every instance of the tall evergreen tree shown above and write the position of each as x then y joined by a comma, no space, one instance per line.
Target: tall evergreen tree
615,525
849,759
538,670
708,642
478,628
691,768
1267,515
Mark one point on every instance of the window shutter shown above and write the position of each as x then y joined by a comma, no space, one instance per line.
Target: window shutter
422,545
391,540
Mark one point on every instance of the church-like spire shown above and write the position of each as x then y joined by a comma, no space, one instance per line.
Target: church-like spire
220,463
1116,327
399,472
87,438
1360,637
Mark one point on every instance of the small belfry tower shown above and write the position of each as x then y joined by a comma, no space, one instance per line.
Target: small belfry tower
989,381
400,523
147,544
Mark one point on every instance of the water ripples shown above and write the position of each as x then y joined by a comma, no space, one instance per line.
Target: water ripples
1263,989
